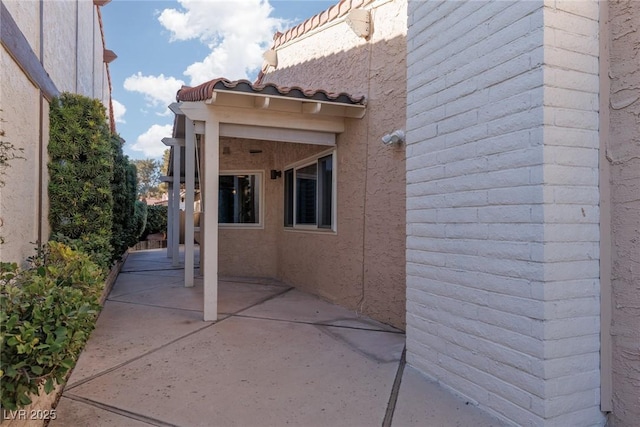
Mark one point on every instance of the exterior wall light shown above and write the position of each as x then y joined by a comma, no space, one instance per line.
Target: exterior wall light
275,174
395,137
360,22
271,58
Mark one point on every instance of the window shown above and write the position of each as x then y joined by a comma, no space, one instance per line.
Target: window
239,197
308,201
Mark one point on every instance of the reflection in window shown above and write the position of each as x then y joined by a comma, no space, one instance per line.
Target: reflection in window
239,199
308,192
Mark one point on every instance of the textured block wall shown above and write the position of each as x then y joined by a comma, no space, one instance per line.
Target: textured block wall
502,205
623,155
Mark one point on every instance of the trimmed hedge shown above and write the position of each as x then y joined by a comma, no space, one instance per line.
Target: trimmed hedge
156,220
124,187
46,315
80,175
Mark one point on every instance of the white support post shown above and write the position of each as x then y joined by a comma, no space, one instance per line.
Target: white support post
211,171
190,188
175,244
169,218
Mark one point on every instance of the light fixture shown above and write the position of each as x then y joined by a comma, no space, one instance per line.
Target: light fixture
395,137
271,57
360,22
275,174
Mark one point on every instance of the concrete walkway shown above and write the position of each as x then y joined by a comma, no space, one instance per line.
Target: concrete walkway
275,357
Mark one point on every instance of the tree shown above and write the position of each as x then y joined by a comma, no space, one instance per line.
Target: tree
148,177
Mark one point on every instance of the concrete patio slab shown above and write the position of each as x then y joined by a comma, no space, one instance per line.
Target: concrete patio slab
170,295
422,402
74,413
129,283
252,372
236,296
298,306
125,331
275,357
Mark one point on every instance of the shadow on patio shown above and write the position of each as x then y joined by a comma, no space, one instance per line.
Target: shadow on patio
276,356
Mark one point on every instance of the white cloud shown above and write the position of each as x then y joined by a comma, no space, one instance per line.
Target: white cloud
118,111
236,33
159,91
150,142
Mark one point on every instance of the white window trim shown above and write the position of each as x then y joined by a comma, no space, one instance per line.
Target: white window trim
261,202
334,194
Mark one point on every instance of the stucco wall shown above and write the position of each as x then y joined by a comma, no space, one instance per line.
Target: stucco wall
255,252
72,67
623,154
502,205
362,265
19,197
60,23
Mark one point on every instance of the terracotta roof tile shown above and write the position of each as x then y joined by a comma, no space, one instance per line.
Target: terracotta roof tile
205,91
334,12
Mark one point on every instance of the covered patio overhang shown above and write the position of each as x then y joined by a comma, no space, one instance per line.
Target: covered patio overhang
240,109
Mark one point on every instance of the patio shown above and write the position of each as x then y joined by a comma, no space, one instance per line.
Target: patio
276,356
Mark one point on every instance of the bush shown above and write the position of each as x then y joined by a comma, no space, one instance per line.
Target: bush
123,186
46,315
140,220
80,174
156,220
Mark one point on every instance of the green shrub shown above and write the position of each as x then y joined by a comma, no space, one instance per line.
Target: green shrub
123,186
156,220
46,315
80,174
140,220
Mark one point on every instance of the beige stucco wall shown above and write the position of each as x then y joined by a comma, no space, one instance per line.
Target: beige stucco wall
362,266
19,197
255,252
623,154
59,42
23,122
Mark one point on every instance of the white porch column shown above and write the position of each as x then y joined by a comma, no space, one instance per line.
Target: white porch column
211,171
169,217
190,188
175,244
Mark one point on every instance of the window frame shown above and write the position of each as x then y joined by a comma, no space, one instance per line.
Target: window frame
315,228
261,206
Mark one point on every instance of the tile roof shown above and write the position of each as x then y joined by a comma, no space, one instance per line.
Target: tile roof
204,92
334,12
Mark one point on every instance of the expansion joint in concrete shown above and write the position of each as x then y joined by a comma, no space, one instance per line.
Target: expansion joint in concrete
119,411
395,390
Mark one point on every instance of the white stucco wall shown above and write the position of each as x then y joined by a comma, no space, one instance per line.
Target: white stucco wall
502,205
72,55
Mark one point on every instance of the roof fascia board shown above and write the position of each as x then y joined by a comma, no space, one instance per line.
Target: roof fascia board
260,117
277,134
286,104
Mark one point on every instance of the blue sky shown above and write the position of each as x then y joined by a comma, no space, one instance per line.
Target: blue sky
164,44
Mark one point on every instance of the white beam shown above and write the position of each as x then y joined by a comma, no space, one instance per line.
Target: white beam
175,108
172,142
261,102
278,119
211,171
190,188
277,134
265,117
311,107
170,219
175,244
